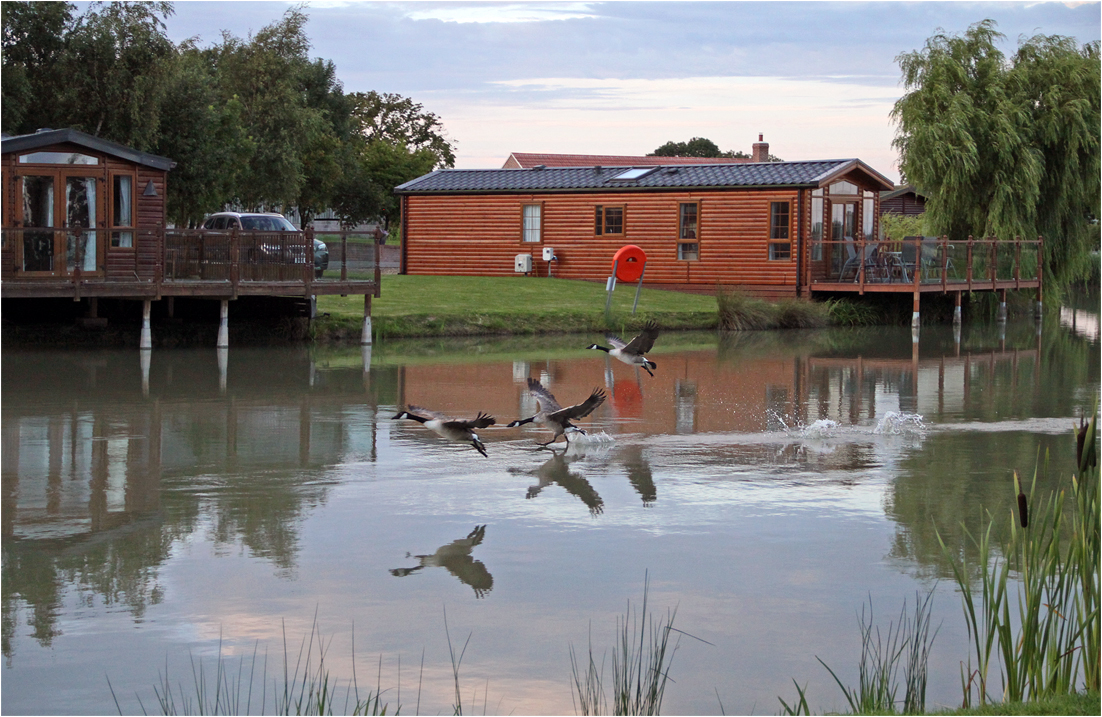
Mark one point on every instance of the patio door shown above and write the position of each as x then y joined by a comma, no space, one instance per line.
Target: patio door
843,222
60,214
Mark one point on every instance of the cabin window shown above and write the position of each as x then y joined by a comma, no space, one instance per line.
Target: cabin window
817,225
780,245
689,214
532,222
608,220
688,248
122,211
844,189
57,158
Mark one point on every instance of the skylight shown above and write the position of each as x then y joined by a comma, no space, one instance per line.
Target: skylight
635,173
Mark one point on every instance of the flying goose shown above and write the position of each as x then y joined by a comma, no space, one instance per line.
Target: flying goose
554,416
454,429
632,351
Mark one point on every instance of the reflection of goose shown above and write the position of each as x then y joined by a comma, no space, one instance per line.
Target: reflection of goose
556,471
454,429
632,352
639,474
554,416
456,558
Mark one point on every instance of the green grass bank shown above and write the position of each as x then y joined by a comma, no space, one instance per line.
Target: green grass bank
413,306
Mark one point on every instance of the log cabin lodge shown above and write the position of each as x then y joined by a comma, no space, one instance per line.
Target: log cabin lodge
772,229
85,219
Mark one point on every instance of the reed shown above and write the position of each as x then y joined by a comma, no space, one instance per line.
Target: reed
306,689
739,312
905,645
1052,647
641,662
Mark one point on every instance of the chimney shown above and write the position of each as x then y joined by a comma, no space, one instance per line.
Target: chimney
761,151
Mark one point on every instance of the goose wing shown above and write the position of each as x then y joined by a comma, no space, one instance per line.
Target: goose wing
548,404
644,341
482,420
582,409
425,412
615,341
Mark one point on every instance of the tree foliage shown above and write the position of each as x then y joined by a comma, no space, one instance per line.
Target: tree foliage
400,120
253,122
702,147
1005,147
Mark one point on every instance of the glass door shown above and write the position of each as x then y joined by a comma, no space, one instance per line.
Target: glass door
38,245
80,220
843,221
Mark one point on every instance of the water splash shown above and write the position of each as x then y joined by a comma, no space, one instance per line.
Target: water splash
591,438
895,423
822,428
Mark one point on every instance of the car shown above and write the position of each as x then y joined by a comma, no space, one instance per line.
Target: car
267,222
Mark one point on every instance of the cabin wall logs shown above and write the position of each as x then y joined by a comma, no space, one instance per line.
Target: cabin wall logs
481,235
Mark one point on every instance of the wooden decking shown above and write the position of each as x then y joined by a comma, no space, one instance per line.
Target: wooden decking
195,263
928,264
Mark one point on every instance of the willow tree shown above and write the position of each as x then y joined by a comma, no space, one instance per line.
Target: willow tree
1005,147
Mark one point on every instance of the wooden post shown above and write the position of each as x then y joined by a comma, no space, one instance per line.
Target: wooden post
944,259
378,271
1002,306
344,257
1040,269
224,326
956,310
968,262
1017,262
365,336
235,266
916,320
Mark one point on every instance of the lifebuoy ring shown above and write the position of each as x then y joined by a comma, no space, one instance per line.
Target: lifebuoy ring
628,263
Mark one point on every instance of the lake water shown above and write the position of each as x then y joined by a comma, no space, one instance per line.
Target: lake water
768,485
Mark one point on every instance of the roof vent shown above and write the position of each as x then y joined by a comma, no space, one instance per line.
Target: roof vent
40,130
671,170
597,169
540,166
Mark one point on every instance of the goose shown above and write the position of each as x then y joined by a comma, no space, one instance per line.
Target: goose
632,352
554,416
454,429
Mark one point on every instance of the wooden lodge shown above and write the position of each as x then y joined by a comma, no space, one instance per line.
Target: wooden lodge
773,229
85,218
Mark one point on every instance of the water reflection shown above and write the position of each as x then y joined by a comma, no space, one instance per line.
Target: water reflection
112,464
556,471
639,474
456,558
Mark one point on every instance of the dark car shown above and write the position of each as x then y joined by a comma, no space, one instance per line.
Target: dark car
268,222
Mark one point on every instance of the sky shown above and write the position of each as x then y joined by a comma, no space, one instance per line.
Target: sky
817,79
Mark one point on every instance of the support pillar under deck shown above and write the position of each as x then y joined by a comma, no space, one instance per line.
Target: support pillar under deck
146,341
365,337
224,326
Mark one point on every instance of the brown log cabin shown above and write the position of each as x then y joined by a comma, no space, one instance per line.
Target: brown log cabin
85,218
772,229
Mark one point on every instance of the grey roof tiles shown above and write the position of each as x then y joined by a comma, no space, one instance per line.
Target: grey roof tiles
765,174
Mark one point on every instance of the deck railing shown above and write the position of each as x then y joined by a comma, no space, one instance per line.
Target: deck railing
190,256
925,261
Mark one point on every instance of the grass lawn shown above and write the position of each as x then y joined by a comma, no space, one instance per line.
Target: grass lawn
469,305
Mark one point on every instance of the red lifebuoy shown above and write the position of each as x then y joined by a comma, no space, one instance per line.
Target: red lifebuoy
628,262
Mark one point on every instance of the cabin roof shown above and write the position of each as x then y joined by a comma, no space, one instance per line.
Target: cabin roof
583,179
48,137
900,191
526,160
